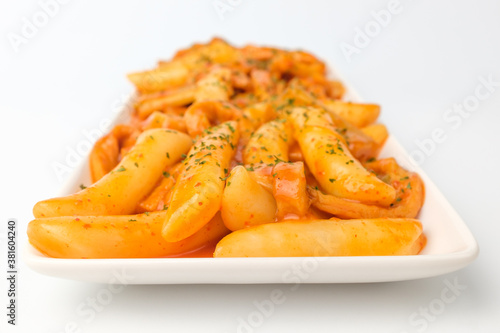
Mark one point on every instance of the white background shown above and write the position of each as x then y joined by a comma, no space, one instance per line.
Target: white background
66,77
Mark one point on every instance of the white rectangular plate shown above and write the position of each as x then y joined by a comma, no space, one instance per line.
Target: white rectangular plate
450,247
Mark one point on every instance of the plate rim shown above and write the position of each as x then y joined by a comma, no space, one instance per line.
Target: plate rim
215,270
